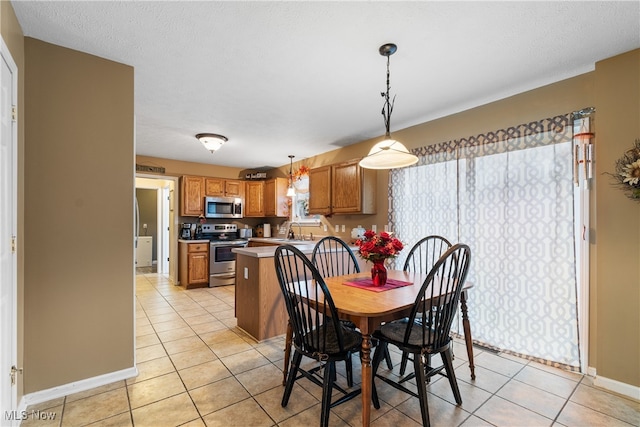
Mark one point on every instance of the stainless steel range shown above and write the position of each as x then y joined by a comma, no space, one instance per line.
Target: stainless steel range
222,261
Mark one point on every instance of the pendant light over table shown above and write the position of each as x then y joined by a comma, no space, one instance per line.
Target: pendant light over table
389,153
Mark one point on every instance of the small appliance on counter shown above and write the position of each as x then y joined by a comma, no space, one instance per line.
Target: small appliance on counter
186,231
246,233
358,232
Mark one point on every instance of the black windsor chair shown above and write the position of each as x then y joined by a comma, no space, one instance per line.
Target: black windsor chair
317,331
421,258
427,330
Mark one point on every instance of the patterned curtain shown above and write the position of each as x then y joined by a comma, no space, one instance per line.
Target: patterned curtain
508,194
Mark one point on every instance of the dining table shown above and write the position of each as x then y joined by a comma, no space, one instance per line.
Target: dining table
369,308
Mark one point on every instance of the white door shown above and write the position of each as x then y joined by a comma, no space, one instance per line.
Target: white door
8,229
163,233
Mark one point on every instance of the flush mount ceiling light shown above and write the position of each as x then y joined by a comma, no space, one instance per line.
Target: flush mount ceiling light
389,153
211,141
291,191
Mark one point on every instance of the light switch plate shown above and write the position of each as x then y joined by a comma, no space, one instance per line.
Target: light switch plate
344,228
374,228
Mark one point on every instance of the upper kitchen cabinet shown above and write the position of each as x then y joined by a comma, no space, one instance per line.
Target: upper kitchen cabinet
266,198
320,190
343,188
276,202
191,195
214,187
254,200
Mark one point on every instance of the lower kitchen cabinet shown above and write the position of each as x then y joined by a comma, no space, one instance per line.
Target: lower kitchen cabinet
193,264
259,304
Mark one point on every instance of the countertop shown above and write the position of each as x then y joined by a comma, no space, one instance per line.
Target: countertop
305,246
193,241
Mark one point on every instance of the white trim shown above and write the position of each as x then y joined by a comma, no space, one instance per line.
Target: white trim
583,238
75,387
12,212
617,387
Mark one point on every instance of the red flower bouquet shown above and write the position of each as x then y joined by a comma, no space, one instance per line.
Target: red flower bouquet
378,247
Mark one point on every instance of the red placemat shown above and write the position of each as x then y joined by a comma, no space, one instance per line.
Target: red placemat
367,283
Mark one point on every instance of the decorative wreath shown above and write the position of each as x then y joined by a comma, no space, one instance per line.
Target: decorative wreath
627,173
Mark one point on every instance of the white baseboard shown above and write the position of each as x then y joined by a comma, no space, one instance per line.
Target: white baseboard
75,387
618,387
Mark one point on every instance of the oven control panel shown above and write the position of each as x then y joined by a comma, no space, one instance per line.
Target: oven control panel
219,228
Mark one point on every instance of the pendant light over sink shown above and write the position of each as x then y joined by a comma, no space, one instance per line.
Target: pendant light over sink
389,153
291,191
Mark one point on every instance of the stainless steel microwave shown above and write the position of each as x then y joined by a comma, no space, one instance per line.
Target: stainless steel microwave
223,207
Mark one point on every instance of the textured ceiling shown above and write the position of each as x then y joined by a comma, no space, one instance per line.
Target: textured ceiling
303,78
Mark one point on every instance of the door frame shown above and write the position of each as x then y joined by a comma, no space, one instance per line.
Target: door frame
11,211
167,231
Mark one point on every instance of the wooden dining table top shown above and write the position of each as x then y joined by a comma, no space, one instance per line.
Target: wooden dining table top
360,302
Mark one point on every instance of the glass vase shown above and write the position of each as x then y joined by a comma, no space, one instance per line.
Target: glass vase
379,273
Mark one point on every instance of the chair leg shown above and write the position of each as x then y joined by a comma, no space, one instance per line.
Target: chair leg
349,369
381,350
421,385
291,378
327,387
403,363
387,358
447,359
287,352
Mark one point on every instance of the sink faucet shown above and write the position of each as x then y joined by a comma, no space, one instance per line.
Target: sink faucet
291,235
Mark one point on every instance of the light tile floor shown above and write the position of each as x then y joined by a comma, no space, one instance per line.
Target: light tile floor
197,368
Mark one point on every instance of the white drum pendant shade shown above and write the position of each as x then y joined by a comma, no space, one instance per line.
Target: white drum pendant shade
388,154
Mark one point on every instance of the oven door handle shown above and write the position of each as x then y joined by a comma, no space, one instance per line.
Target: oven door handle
224,275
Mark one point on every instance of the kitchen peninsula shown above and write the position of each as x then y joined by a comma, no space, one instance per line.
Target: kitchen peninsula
259,304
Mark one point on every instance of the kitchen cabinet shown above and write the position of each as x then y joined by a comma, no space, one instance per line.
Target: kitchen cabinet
276,202
193,264
343,188
218,187
320,190
266,198
191,195
254,199
260,309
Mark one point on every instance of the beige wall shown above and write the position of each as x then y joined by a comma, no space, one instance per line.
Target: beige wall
79,183
615,261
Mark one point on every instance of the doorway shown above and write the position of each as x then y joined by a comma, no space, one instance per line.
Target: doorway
156,206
